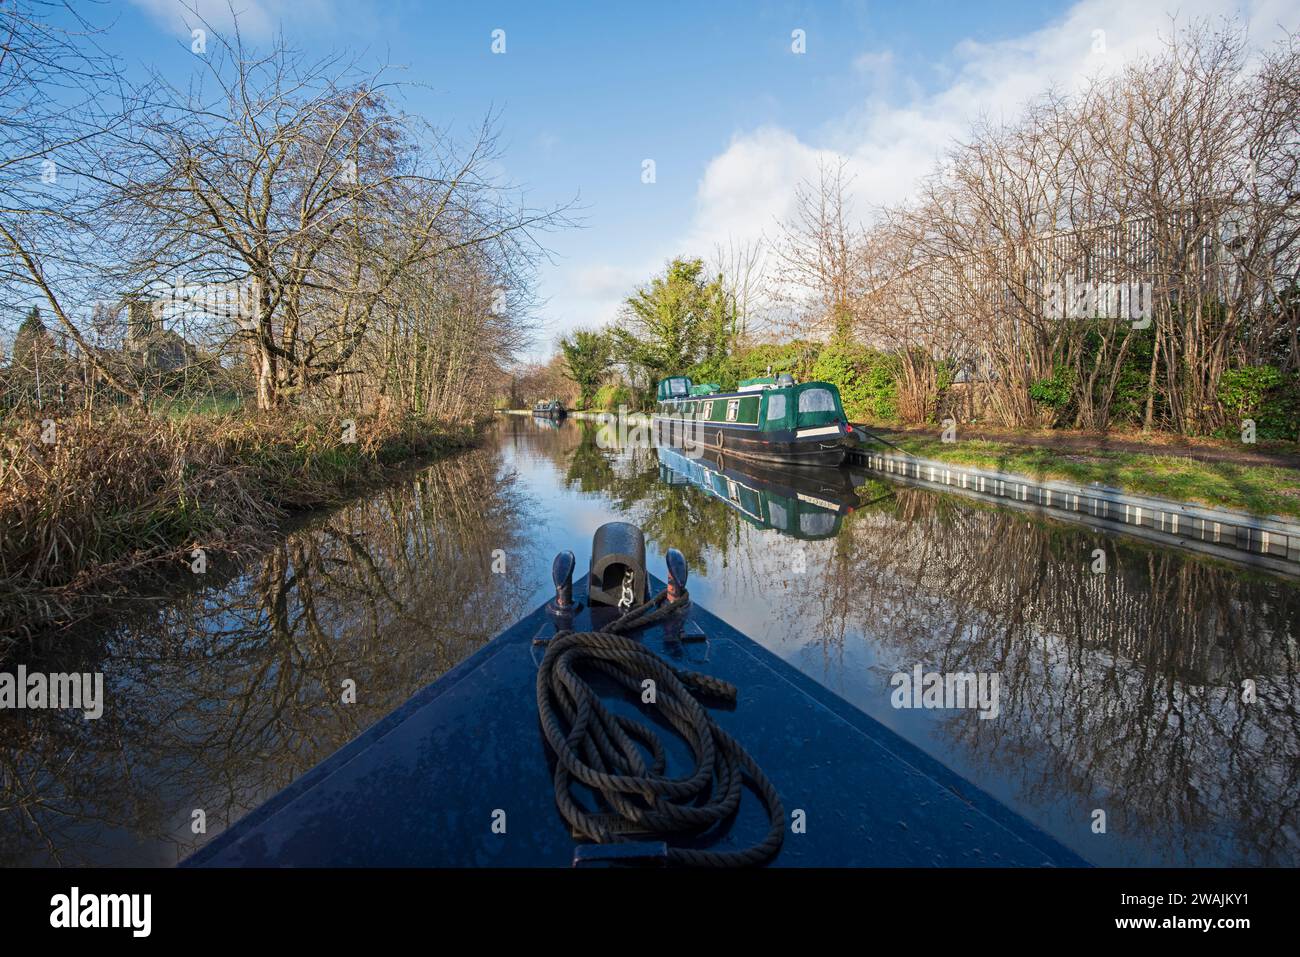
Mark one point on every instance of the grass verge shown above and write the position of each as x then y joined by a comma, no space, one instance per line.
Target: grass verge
1259,489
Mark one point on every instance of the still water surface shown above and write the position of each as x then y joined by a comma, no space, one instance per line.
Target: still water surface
1119,692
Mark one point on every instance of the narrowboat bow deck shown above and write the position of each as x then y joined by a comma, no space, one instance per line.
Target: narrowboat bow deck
462,776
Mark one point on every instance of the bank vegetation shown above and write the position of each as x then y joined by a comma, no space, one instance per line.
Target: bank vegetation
228,291
1124,257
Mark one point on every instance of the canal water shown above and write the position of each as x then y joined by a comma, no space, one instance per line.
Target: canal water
1157,697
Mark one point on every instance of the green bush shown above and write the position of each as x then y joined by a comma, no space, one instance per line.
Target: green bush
1128,404
796,358
1056,391
867,379
1264,394
610,397
720,371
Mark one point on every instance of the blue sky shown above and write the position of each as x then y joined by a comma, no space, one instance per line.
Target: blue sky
710,91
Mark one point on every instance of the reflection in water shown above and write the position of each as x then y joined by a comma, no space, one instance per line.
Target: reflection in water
1120,691
804,503
224,696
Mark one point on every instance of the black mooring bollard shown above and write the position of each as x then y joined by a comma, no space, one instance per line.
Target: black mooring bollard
562,574
677,573
618,575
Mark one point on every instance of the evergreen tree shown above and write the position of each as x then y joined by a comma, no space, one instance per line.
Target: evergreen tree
32,341
677,321
587,359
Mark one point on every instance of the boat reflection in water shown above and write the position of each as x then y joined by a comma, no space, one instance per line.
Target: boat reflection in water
804,503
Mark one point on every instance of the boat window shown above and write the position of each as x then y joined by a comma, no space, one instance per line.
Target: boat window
816,523
775,407
776,514
816,400
733,408
677,387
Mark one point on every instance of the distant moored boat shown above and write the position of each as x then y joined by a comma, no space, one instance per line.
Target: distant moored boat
553,409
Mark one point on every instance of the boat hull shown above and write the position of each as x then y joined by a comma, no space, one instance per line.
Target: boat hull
784,447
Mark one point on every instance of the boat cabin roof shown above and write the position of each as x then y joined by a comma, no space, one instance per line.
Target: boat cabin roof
781,381
681,387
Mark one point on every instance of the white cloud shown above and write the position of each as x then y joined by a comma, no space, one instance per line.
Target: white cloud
590,294
890,145
258,19
601,281
876,66
896,133
750,185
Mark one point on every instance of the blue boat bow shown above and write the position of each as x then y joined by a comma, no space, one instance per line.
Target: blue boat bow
460,775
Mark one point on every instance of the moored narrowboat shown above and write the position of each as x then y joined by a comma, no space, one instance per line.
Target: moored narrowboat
554,409
768,419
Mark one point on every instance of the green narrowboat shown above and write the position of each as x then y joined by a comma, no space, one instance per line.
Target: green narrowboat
769,419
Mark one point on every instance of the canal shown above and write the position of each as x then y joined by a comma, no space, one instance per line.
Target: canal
1161,691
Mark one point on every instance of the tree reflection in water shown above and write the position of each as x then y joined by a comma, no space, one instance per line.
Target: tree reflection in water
1119,691
225,695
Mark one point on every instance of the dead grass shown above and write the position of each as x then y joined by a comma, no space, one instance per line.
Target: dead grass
117,496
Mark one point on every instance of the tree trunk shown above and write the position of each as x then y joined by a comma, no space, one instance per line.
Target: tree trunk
1151,382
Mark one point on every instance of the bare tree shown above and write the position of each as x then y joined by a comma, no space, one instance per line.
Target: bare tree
1178,173
814,254
62,100
300,178
742,268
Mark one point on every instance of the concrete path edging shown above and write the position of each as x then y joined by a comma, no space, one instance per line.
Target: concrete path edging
1271,536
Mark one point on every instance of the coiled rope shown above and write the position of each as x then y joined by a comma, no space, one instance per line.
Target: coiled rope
599,748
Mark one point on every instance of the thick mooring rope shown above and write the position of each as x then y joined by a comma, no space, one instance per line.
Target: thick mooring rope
600,749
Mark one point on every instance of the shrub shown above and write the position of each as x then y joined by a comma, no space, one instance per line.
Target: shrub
866,378
131,492
796,358
1055,391
1128,404
720,371
610,397
1264,394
